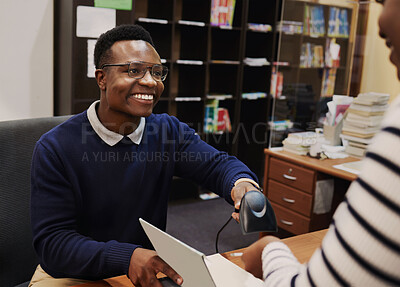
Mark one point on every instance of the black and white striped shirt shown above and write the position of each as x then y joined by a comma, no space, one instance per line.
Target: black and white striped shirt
362,246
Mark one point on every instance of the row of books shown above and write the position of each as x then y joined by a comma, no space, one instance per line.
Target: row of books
362,121
281,125
311,56
314,21
259,27
289,27
216,119
222,12
338,25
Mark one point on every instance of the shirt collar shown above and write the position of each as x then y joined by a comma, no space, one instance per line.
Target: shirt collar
109,137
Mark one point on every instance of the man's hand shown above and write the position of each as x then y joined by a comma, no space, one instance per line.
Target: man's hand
237,193
144,266
252,255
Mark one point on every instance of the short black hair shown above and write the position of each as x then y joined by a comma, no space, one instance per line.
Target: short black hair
119,33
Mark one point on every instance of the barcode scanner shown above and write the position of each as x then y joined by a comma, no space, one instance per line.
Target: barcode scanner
256,213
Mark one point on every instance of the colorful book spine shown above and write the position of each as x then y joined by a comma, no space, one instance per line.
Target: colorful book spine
338,25
211,116
328,83
224,122
222,12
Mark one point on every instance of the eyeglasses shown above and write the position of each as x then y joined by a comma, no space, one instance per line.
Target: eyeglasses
137,70
380,1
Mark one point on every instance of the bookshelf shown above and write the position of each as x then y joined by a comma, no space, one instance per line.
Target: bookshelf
206,61
316,42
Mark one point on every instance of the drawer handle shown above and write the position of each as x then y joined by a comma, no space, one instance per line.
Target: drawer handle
286,222
289,177
288,200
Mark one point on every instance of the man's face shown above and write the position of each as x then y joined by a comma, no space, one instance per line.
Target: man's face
389,24
122,95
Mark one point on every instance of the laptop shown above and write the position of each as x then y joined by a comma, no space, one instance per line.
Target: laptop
197,269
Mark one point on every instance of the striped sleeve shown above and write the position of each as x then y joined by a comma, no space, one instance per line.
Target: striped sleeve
362,246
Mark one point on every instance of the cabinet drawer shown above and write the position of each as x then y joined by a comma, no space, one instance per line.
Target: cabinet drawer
291,174
289,197
291,221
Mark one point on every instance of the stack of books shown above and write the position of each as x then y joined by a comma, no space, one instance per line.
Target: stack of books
362,121
299,143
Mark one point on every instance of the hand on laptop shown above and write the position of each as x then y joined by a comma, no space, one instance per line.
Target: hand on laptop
144,266
252,255
237,193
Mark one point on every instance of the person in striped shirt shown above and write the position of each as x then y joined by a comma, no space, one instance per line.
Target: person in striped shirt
362,245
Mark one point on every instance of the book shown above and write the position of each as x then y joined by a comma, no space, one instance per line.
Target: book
357,151
282,125
216,119
368,110
369,99
360,130
369,120
357,134
259,27
359,124
353,167
338,25
211,115
358,144
332,53
256,61
222,12
298,152
302,138
224,122
346,137
314,21
276,83
328,82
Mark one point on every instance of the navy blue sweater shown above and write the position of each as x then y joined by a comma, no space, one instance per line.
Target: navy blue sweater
87,196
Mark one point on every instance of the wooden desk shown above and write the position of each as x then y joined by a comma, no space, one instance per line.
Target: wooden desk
290,184
302,246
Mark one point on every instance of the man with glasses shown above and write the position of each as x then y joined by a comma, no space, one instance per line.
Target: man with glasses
362,246
96,174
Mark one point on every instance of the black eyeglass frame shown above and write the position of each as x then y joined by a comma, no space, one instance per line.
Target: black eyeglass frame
150,68
380,1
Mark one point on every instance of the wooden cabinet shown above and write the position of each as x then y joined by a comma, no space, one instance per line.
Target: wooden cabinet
315,60
290,183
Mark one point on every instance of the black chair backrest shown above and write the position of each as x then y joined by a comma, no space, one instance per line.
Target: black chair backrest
17,141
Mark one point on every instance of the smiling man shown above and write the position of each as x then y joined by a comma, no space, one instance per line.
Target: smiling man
96,174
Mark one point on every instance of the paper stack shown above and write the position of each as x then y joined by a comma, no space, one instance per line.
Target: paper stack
362,121
299,143
333,122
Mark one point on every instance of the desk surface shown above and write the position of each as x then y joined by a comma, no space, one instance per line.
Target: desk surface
302,246
325,166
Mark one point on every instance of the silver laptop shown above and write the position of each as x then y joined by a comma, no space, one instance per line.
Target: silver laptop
196,268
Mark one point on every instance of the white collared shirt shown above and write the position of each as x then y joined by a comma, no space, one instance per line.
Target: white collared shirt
109,137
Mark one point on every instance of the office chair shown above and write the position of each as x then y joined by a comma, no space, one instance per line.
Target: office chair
17,140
